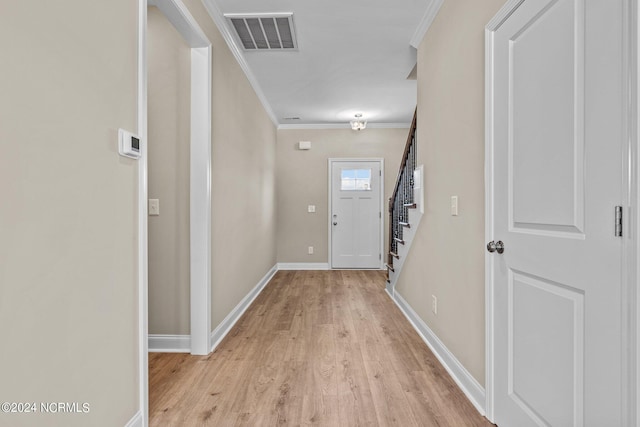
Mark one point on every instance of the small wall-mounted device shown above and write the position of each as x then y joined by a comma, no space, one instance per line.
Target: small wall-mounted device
129,144
304,145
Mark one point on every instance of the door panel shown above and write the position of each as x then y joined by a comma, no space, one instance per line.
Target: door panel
355,214
557,153
545,348
547,190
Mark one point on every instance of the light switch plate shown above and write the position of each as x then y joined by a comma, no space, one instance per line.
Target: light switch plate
454,205
311,209
154,207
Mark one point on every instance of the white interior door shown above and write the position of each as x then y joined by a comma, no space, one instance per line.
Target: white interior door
356,214
557,123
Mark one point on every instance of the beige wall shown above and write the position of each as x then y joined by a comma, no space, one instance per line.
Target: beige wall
68,217
243,179
447,255
169,67
302,180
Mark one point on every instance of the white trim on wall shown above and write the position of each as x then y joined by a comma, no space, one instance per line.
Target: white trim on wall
200,170
141,419
169,343
321,126
634,255
303,266
382,203
136,421
425,23
182,20
219,20
467,383
232,318
489,218
200,200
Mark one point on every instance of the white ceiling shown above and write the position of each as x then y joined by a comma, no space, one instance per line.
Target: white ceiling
354,56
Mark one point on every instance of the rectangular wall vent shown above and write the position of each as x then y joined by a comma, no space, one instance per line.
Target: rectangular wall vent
264,31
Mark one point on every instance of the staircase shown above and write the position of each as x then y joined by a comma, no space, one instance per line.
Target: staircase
404,209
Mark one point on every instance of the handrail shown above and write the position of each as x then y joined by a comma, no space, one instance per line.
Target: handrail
405,155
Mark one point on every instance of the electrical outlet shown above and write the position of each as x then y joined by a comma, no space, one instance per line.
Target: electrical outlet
454,205
310,250
434,304
311,208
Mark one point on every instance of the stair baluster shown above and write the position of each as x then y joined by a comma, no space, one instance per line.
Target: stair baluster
402,198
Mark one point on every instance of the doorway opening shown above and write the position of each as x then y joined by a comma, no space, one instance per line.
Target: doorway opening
194,161
199,186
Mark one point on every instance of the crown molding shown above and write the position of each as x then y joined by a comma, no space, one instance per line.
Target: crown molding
425,23
320,126
220,21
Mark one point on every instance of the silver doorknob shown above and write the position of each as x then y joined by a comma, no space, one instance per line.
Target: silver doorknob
335,223
495,246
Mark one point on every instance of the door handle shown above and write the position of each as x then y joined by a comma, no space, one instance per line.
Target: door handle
495,246
335,223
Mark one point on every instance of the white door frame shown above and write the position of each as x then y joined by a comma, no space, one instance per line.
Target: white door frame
631,245
200,186
200,171
630,304
360,159
143,296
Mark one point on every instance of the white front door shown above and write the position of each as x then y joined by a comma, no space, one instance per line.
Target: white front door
355,214
557,134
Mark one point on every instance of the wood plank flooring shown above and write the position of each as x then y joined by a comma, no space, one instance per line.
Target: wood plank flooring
323,348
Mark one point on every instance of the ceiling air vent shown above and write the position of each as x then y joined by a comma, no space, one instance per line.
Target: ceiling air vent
264,31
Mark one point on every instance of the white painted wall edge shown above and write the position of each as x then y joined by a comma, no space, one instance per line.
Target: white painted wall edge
136,421
159,343
470,387
303,266
425,23
225,326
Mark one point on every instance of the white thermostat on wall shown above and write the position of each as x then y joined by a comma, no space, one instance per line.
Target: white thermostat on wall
128,144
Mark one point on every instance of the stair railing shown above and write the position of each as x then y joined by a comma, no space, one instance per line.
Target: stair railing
402,198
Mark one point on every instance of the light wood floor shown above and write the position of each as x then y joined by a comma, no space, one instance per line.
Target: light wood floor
316,347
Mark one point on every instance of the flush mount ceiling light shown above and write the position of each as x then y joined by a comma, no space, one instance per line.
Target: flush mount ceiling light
359,123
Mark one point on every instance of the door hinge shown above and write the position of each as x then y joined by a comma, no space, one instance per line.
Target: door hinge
380,173
379,214
618,225
380,256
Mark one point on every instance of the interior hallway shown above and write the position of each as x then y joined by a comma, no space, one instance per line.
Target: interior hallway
316,347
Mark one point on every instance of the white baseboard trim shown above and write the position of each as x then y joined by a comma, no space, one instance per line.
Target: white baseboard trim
469,385
136,421
169,343
225,326
303,266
